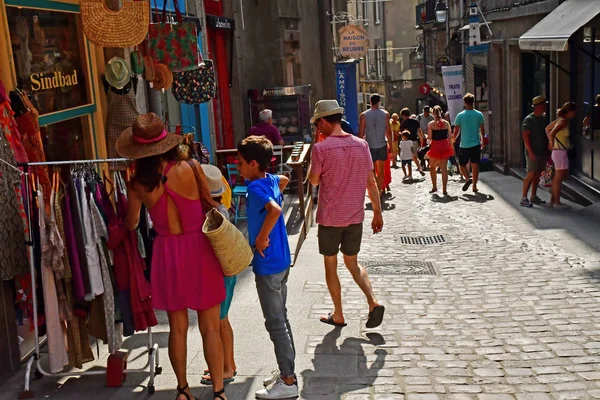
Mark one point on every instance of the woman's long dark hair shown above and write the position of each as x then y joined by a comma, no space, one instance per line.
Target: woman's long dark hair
147,169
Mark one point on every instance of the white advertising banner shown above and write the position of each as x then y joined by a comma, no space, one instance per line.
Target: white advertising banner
454,87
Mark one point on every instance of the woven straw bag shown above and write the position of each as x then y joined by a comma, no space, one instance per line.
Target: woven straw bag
127,27
230,245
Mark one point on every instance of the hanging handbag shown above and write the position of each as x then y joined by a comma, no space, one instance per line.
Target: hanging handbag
106,28
175,45
229,244
196,85
137,62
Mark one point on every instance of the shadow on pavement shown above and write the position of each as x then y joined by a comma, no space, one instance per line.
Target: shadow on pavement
436,198
337,369
413,181
385,206
582,223
477,198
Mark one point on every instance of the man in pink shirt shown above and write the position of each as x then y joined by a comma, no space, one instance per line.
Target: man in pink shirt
342,166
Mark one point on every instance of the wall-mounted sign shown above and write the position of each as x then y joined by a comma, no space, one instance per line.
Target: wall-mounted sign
52,80
480,48
354,41
424,88
347,91
454,87
220,22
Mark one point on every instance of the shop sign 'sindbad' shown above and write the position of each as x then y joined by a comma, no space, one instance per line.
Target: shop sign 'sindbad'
354,41
52,80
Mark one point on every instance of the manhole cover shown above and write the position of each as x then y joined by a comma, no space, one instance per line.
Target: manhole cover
399,268
423,240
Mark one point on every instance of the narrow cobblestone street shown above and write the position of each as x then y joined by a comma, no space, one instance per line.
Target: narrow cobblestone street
512,312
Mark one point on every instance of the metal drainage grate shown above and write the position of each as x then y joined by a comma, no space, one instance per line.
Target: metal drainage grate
399,268
436,239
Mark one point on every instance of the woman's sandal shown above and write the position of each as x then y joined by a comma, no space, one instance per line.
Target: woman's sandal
182,391
217,395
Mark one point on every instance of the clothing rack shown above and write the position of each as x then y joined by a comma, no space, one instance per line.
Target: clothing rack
152,365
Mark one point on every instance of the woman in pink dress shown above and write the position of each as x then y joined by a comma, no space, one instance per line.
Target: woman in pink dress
185,271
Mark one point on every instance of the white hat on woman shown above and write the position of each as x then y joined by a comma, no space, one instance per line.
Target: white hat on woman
215,180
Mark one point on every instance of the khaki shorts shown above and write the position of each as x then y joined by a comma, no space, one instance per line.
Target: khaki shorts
332,239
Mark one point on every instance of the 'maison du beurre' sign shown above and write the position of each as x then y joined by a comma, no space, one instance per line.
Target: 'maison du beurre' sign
354,41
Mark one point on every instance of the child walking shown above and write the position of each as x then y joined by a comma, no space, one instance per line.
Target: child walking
272,258
218,189
406,155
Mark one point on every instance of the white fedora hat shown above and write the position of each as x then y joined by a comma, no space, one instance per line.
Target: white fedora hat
325,108
215,180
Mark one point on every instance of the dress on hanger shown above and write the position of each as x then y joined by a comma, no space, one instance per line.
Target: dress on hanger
91,248
12,244
57,351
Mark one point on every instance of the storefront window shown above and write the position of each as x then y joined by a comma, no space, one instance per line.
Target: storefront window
65,140
49,57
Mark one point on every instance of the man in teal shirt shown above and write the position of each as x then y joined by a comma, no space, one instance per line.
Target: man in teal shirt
470,125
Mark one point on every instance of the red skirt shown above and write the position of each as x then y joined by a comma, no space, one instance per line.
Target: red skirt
440,149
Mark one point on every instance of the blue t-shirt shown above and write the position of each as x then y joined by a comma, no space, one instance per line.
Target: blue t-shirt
277,256
469,121
346,127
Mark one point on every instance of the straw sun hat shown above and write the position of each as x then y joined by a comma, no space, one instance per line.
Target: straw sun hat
215,180
325,108
146,137
118,73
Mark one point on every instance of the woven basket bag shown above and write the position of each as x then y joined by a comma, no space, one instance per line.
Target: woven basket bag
127,27
230,245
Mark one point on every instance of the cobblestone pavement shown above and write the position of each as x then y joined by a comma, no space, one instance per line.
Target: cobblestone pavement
513,312
510,314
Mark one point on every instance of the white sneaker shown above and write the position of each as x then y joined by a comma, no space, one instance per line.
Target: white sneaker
279,391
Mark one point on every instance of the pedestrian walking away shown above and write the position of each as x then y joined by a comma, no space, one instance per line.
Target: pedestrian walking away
469,124
272,258
536,144
441,149
375,129
560,144
417,138
186,273
340,211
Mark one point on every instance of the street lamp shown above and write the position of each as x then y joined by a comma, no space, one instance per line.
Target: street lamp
441,12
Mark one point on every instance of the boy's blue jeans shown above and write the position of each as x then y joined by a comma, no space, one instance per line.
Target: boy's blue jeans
272,293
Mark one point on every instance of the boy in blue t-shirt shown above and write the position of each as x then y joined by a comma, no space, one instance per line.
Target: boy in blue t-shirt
272,258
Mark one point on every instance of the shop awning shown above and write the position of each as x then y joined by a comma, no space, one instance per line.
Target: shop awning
553,32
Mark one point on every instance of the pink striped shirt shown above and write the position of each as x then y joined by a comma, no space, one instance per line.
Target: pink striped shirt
343,163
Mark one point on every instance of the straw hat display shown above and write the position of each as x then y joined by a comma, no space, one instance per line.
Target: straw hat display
146,137
148,68
163,77
118,73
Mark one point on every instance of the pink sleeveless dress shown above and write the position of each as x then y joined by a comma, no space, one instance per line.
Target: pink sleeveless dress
185,271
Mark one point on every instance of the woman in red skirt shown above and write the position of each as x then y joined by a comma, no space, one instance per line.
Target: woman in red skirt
439,132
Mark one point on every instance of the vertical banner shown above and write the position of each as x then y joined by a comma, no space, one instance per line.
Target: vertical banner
454,86
347,92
